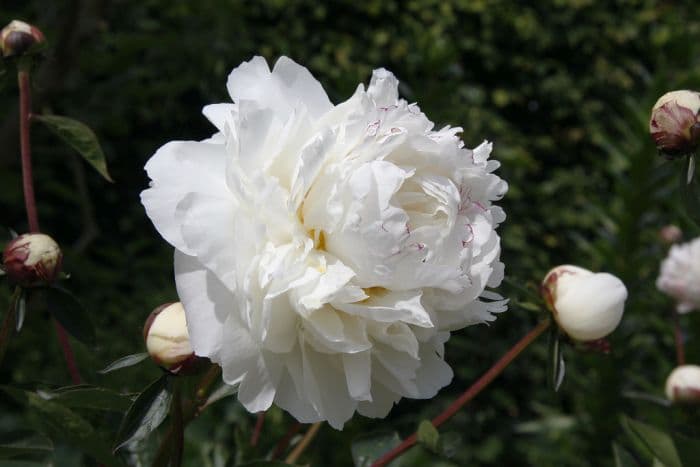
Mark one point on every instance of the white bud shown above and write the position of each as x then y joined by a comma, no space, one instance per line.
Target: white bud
675,122
586,305
167,339
680,275
32,259
683,384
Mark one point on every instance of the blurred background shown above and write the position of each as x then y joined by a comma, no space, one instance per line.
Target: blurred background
562,87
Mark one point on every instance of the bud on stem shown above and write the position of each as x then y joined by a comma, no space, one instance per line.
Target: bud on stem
32,260
19,38
168,342
675,123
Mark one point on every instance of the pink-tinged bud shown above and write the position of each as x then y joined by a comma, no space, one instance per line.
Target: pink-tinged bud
167,340
18,38
670,234
675,123
32,260
683,384
587,306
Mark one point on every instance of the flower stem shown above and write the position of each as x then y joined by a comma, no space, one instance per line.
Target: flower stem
8,324
26,149
258,429
284,442
678,337
470,393
303,444
25,103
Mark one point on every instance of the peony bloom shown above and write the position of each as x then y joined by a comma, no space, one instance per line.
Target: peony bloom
675,123
586,305
324,253
32,259
683,384
680,275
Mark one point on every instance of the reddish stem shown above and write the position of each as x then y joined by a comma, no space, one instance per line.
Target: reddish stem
678,336
258,429
470,393
284,442
25,103
67,353
26,149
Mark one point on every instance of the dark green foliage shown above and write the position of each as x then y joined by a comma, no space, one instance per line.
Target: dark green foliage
562,87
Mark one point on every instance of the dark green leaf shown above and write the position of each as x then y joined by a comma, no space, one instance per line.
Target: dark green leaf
221,392
622,457
428,435
146,413
125,362
20,309
263,463
80,137
59,422
71,314
656,441
556,358
87,397
33,446
688,449
368,448
8,322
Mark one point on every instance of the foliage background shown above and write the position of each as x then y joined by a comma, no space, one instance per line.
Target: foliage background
563,88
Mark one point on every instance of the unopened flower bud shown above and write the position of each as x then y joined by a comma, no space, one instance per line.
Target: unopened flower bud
167,339
586,305
674,123
32,259
670,234
683,384
18,37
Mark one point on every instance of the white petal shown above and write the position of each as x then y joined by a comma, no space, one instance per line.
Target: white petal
177,169
220,115
206,301
389,306
209,230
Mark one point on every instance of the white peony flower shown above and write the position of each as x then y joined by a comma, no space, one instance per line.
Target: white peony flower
324,253
680,275
586,305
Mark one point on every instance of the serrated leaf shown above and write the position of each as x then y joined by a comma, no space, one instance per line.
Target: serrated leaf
622,457
124,362
89,397
80,137
656,441
70,313
146,413
33,446
20,309
428,435
368,448
59,422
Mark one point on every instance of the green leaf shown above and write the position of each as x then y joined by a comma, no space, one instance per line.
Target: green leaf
622,457
556,359
8,322
33,446
70,313
656,441
221,392
89,397
263,463
428,435
688,449
124,362
20,309
368,448
59,422
146,413
80,137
